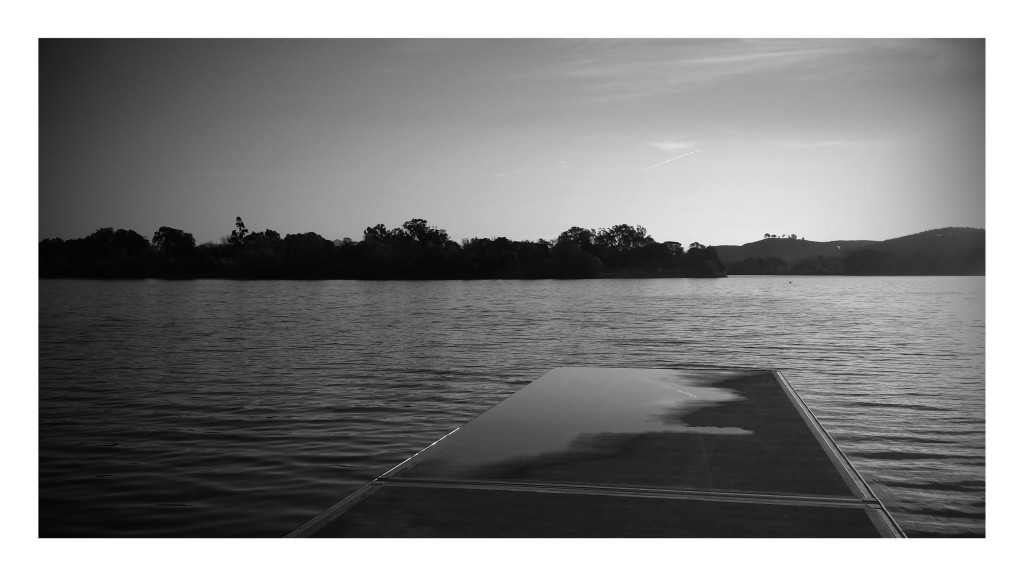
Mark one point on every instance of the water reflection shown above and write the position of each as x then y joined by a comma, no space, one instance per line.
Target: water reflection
706,430
566,403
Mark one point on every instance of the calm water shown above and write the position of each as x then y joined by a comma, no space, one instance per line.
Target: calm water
222,408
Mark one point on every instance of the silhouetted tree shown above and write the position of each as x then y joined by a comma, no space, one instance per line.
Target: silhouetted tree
307,255
173,241
415,250
102,254
266,240
492,258
674,248
378,233
53,259
619,247
571,261
417,230
582,237
238,234
177,251
702,261
624,237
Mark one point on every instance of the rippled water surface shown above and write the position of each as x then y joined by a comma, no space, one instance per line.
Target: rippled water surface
223,408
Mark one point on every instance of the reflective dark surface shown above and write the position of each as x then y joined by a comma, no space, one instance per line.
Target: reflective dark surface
569,403
692,430
619,452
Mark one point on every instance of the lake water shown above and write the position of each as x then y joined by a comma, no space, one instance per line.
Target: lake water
227,408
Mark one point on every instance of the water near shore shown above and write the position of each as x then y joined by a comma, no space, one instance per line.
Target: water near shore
220,408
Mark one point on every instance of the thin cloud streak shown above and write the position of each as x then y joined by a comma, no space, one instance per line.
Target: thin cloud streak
608,71
671,159
670,145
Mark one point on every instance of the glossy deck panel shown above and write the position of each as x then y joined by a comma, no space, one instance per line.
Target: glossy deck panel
599,452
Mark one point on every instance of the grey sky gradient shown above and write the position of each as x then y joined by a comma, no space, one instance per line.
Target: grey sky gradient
826,139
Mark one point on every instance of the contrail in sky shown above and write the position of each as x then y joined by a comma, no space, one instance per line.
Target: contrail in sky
671,159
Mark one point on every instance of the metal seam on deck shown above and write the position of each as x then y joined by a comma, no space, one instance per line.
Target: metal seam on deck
839,458
602,490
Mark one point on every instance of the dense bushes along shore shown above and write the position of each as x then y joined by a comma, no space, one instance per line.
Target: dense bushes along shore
415,250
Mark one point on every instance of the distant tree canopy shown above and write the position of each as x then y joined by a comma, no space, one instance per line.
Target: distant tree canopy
173,241
102,254
582,237
784,236
415,250
416,230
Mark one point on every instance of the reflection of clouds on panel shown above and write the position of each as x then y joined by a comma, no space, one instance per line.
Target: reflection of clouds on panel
725,431
568,403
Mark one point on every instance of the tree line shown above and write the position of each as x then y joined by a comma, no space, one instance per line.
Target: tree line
415,250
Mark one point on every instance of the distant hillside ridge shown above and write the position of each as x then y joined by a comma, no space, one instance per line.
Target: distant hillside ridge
944,251
940,252
789,250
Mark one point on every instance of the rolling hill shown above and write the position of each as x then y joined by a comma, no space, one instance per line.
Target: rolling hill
945,251
789,250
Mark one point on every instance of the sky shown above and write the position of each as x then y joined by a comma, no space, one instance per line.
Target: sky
828,139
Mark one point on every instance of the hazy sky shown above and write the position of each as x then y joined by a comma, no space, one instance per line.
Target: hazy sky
826,139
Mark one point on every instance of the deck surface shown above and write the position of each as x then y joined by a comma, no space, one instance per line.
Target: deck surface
598,452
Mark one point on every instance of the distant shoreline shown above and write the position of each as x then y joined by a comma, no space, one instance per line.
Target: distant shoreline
602,277
418,251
